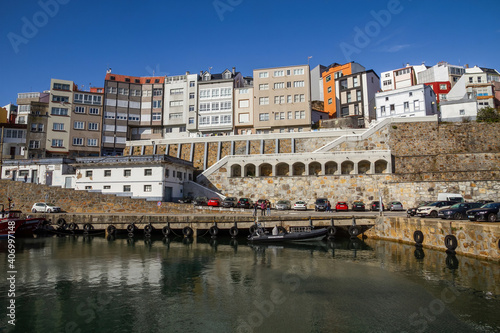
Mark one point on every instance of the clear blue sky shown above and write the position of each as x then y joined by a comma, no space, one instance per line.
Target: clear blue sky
80,39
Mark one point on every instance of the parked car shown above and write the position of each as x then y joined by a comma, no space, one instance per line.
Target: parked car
42,207
376,205
341,205
458,210
484,201
395,205
300,205
358,205
413,211
260,201
187,199
244,203
432,209
283,205
200,201
214,202
230,202
488,212
321,204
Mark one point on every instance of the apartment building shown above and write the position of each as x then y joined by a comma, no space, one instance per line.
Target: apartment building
244,108
282,99
59,120
216,101
333,72
181,102
414,101
24,105
401,77
133,109
356,97
86,122
36,136
317,91
441,77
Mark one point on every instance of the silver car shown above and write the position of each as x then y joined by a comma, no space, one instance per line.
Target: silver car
283,205
42,207
395,205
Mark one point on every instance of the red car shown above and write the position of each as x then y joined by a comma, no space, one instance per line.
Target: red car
215,202
341,205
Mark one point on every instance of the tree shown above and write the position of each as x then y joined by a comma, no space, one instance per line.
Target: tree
488,115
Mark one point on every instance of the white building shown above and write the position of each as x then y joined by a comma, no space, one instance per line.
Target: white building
400,78
181,102
243,110
48,171
413,101
154,177
13,142
441,72
458,110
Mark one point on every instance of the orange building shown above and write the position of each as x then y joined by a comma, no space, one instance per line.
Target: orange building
334,72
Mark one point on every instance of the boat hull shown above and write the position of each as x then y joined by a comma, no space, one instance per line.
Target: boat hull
313,235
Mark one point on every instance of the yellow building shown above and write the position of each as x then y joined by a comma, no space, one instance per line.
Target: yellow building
3,115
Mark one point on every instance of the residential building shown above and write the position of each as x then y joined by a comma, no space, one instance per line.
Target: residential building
154,177
216,103
458,110
24,104
356,97
244,108
48,171
317,93
36,136
414,101
133,108
401,77
11,112
329,76
12,141
282,99
59,120
480,83
181,103
441,77
86,122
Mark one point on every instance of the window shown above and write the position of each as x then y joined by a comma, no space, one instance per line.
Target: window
111,90
34,144
80,109
177,91
88,187
227,105
148,172
289,99
471,79
302,115
182,129
290,115
191,108
349,97
59,112
264,86
191,120
191,95
407,106
298,71
298,84
343,84
78,125
328,78
263,116
106,187
127,173
157,92
330,101
156,104
263,100
40,127
279,85
479,79
60,86
88,173
92,142
410,94
123,91
442,97
107,173
299,98
358,95
355,82
279,73
338,74
204,121
148,188
225,92
94,111
462,112
442,86
226,119
382,110
126,188
191,83
58,127
77,141
329,89
93,126
146,93
344,112
174,103
135,92
279,99
244,91
244,118
214,120
215,93
416,105
392,108
356,109
244,103
263,75
57,143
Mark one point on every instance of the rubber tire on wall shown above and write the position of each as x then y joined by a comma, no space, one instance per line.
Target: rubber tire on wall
166,231
252,229
331,230
451,243
353,231
61,222
111,229
187,232
213,230
148,229
233,231
87,227
73,226
418,237
131,228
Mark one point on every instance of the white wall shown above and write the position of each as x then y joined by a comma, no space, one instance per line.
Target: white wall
451,111
398,98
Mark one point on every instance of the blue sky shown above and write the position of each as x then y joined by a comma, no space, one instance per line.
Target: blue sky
78,40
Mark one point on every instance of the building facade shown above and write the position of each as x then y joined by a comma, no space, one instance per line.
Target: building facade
181,103
414,101
244,110
86,123
59,120
282,100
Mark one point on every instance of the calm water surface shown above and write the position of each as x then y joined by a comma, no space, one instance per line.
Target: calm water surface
90,284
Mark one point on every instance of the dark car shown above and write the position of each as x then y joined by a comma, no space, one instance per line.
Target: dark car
321,204
376,205
484,201
244,203
488,212
358,205
187,199
458,210
229,202
413,211
200,201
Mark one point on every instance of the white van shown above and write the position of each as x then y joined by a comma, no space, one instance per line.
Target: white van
450,197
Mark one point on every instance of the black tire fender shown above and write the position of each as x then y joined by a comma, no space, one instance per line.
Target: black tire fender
450,241
111,229
233,231
131,228
418,237
331,230
214,231
187,232
73,226
148,229
61,222
87,227
353,231
166,230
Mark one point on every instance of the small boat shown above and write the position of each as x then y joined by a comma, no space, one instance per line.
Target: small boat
11,222
306,235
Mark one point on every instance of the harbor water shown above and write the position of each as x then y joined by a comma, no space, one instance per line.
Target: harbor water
94,284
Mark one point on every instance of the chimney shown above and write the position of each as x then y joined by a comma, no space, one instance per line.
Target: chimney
466,65
201,73
234,70
187,72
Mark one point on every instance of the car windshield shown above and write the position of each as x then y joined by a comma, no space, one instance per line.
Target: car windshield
320,201
243,199
396,203
434,203
358,203
51,205
456,206
282,202
491,205
300,203
230,199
